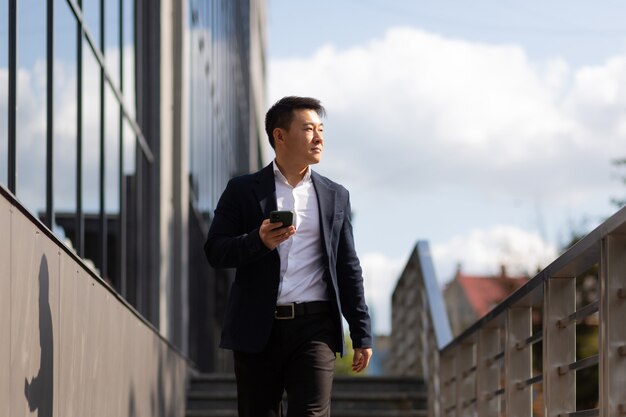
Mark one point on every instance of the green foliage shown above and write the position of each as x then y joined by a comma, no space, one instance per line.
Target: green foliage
587,340
343,365
620,164
587,287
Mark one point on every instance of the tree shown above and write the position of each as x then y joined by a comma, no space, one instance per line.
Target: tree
620,164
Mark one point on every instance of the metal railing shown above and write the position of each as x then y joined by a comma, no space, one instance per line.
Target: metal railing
556,347
526,357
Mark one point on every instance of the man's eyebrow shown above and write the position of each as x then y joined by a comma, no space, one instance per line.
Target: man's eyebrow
312,124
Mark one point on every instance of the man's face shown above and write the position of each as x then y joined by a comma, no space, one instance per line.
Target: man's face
304,140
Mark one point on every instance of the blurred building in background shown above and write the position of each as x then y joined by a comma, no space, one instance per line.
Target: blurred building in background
470,297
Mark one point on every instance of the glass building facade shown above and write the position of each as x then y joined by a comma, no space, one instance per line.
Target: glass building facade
226,95
120,123
67,118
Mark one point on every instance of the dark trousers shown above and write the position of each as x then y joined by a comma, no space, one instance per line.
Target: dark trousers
299,359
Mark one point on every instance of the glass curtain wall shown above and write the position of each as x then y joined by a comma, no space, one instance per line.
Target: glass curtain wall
65,120
219,137
4,84
74,117
30,121
219,119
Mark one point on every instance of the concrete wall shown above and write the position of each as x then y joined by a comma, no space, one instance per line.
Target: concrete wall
69,346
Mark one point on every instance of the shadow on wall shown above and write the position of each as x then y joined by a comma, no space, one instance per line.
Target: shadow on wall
39,391
164,397
167,393
132,408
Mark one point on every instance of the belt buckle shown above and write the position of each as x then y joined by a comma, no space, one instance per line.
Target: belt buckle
293,312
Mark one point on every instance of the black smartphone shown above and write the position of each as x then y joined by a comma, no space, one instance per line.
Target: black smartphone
284,217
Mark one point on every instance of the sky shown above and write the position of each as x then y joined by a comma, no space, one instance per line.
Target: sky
486,128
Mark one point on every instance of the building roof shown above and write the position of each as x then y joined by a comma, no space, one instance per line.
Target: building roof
485,292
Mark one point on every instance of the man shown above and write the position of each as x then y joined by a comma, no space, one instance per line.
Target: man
292,284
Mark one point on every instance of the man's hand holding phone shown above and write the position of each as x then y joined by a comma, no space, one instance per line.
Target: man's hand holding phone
277,228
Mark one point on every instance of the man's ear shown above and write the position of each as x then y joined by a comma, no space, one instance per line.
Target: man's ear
279,135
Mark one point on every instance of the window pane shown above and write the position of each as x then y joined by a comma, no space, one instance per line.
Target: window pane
4,89
128,89
31,105
112,183
91,152
91,14
112,152
194,95
130,148
65,119
91,131
201,99
112,40
112,113
129,56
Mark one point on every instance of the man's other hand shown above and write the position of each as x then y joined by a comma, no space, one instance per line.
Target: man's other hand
361,359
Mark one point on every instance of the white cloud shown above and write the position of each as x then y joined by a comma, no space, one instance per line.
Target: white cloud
483,251
417,111
472,146
380,274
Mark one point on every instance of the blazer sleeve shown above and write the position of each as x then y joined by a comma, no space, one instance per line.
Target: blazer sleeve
350,284
229,244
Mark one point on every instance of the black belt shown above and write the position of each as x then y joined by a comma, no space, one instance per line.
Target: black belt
293,310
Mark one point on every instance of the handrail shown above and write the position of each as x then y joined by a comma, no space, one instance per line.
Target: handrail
573,262
470,377
488,369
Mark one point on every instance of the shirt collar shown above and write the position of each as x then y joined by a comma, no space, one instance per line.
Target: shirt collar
279,175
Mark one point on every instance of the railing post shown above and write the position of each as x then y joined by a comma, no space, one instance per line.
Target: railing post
423,335
434,377
518,362
447,401
559,346
487,372
612,340
465,379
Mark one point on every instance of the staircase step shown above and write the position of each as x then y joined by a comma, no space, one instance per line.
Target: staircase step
377,383
378,413
206,403
212,413
215,395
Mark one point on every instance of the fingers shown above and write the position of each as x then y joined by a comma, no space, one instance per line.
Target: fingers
273,234
361,359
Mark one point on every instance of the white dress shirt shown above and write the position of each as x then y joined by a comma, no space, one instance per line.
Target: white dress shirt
301,261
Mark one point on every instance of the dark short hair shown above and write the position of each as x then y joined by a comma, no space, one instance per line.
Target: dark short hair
281,113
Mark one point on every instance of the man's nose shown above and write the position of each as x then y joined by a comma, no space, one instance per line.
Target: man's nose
317,136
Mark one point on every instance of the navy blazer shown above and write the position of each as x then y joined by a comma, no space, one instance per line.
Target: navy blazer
233,242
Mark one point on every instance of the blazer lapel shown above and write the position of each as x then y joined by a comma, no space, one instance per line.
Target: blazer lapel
265,190
326,202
